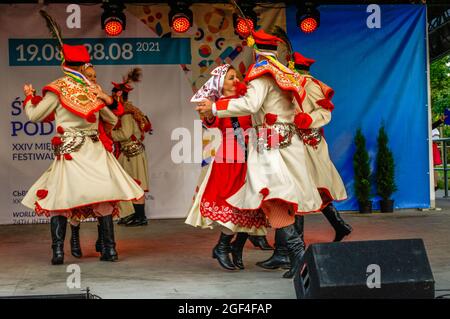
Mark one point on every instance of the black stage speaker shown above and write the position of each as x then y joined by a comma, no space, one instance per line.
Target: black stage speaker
365,269
86,295
71,296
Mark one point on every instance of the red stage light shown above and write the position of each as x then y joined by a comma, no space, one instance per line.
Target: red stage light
113,19
309,25
113,27
180,24
244,27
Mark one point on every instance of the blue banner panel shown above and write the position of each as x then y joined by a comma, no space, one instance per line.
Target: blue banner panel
103,51
374,57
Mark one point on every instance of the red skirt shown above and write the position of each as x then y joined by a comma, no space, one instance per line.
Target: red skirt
436,155
224,181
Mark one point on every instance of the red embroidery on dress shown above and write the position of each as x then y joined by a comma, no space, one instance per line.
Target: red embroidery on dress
80,212
42,193
225,214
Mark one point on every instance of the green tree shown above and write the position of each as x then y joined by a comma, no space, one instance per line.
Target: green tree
385,166
361,167
440,88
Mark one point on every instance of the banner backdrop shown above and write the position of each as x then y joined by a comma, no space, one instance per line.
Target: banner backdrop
378,74
374,57
173,66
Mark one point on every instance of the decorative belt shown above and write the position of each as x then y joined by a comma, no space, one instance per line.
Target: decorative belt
72,141
132,148
311,137
278,135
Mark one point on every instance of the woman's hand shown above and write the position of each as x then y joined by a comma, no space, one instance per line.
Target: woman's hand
28,90
204,108
102,95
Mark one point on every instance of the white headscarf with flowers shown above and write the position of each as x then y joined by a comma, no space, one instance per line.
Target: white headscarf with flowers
212,89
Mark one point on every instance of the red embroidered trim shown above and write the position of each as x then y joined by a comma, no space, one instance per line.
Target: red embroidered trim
266,70
327,91
303,82
67,107
242,218
42,210
79,212
295,205
327,198
302,97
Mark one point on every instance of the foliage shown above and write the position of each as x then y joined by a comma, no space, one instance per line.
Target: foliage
361,168
385,166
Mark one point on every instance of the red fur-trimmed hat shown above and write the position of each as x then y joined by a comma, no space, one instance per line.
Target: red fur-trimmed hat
76,54
302,62
265,39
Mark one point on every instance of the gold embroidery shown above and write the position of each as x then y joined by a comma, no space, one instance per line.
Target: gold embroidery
285,81
81,99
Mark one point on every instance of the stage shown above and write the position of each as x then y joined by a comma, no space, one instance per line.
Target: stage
169,259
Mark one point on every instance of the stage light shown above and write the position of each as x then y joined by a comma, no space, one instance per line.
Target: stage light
180,16
244,27
308,17
113,27
113,18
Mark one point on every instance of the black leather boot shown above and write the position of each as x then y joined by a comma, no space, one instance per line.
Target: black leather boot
109,252
299,226
222,250
279,258
99,242
237,246
58,226
125,220
260,242
341,228
75,247
139,218
295,245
